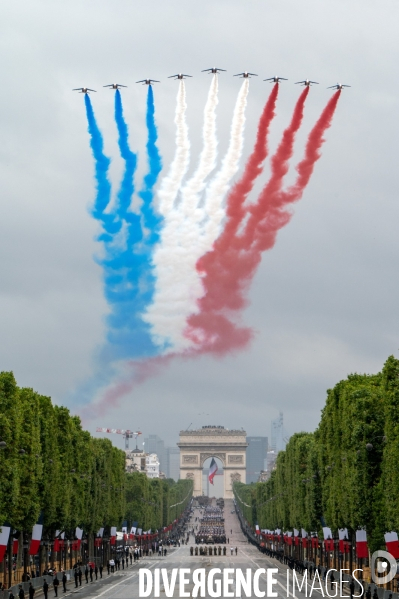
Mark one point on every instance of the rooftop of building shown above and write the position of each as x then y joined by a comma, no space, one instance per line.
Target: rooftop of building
213,429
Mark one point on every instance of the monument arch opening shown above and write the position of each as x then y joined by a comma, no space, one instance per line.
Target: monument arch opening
213,486
227,446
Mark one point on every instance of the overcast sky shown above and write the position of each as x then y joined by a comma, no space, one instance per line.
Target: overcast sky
324,302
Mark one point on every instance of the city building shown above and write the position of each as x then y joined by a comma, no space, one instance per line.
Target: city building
173,463
152,465
135,460
271,461
139,461
256,456
154,444
277,434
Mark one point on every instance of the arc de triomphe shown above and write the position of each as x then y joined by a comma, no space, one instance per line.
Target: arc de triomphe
213,442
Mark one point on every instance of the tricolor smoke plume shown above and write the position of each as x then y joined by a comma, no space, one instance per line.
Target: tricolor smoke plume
230,267
179,284
177,280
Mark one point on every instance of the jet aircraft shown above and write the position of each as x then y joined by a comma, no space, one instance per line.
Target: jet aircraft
306,83
245,75
179,76
83,90
276,79
339,86
213,70
147,81
114,85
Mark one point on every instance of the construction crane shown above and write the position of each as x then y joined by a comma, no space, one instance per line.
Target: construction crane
119,431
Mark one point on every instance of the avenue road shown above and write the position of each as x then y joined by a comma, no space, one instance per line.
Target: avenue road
125,583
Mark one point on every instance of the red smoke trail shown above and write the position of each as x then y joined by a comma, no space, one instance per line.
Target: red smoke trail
235,210
279,168
218,261
139,372
229,269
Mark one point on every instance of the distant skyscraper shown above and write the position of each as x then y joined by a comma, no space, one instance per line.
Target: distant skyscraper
154,444
277,434
256,455
173,470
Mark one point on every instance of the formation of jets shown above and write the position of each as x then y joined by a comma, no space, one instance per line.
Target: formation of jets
215,71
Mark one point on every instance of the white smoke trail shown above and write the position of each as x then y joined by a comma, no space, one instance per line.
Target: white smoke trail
166,254
170,184
214,199
207,160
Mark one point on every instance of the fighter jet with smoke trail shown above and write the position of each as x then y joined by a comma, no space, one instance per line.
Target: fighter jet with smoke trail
114,85
245,75
179,76
276,79
306,83
339,86
213,70
147,81
83,90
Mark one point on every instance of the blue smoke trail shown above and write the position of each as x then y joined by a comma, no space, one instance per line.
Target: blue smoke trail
129,279
128,239
102,163
126,190
151,219
126,266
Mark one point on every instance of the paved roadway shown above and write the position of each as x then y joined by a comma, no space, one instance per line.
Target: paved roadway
125,583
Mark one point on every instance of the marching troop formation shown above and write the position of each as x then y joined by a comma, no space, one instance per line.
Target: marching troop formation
211,526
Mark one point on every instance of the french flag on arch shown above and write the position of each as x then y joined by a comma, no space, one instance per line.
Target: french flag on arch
392,543
213,468
361,544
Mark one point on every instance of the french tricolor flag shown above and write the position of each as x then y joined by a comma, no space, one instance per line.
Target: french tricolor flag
4,536
392,543
361,544
57,541
343,535
79,535
213,468
36,538
113,535
304,535
328,539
